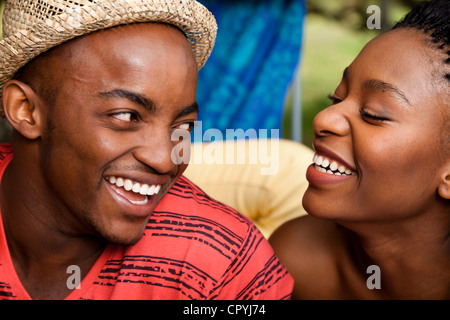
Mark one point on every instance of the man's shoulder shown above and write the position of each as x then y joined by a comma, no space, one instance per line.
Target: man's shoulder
189,218
204,249
5,151
188,201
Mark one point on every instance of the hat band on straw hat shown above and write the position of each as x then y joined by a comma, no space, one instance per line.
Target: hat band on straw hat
31,27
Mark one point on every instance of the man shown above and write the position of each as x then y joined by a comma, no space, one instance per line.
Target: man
96,92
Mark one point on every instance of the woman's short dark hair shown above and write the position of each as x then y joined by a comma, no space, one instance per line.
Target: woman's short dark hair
431,17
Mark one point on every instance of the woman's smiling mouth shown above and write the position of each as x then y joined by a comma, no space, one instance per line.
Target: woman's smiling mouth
328,170
327,165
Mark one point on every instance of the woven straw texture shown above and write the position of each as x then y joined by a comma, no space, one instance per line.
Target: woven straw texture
31,27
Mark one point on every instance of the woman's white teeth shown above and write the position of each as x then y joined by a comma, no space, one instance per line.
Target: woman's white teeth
333,166
136,187
318,160
325,165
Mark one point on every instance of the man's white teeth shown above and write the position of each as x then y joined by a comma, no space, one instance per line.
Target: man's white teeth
128,184
136,187
144,189
326,165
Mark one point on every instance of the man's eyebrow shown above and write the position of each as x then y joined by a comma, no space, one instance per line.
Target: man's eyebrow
131,96
188,110
384,86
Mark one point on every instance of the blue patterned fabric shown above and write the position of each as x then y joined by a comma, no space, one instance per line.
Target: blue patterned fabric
244,83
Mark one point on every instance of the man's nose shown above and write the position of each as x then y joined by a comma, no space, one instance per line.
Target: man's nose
155,150
332,121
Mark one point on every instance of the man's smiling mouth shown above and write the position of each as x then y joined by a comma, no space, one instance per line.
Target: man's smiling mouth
135,192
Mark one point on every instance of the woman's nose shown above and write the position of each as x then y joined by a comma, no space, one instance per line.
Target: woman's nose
331,121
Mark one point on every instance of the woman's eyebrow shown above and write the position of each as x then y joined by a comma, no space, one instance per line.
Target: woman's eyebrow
385,87
131,96
380,86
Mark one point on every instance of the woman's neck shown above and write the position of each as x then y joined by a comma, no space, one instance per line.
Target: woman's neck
413,256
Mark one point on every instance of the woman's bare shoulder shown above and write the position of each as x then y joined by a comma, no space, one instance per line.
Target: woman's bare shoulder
311,250
302,232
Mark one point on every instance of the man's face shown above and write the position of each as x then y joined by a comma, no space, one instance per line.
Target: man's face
120,93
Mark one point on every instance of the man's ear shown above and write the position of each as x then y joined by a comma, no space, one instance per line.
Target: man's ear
20,104
444,182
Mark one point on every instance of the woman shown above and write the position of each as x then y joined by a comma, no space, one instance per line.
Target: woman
379,187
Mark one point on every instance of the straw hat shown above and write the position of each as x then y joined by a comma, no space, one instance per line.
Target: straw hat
31,27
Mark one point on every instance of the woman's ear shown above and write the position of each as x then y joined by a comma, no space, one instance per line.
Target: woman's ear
444,182
20,104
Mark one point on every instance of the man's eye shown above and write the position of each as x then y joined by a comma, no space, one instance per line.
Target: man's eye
186,126
125,116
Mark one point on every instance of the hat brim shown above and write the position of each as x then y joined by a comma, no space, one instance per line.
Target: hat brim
192,18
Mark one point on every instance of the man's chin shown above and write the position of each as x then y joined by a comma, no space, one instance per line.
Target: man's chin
117,231
123,235
123,240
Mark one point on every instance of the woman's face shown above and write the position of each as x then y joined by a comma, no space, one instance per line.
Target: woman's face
381,137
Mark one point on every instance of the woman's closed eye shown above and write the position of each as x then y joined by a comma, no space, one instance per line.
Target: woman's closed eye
334,99
371,117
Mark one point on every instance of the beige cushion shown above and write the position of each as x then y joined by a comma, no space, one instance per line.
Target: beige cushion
267,186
